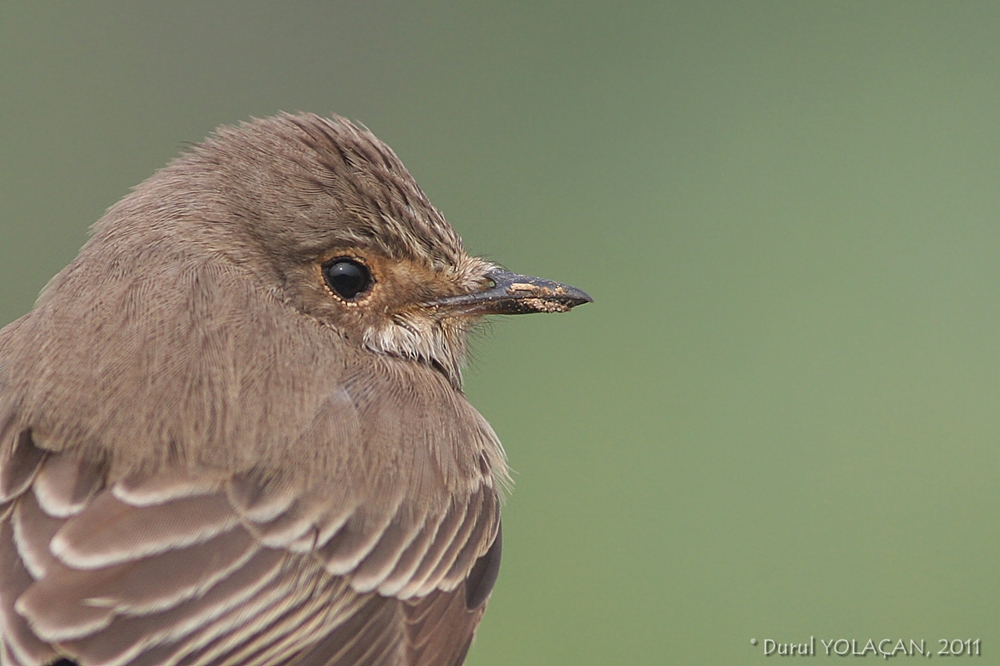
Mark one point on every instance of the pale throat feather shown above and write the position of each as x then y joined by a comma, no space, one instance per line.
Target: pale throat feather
440,343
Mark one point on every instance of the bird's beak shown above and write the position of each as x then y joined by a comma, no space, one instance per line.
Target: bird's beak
511,293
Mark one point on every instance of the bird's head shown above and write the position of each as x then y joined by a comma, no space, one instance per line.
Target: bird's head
332,223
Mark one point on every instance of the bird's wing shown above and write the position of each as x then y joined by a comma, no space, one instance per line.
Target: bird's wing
197,568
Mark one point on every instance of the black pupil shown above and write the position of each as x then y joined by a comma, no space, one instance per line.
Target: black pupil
347,277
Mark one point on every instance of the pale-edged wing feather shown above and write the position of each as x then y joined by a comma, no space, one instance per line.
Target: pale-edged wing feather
19,464
197,568
20,644
439,629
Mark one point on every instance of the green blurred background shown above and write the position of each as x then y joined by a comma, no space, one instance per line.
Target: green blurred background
779,417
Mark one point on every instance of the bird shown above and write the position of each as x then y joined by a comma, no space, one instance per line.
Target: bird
233,431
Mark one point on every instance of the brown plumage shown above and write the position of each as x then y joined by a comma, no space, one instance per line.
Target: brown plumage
232,430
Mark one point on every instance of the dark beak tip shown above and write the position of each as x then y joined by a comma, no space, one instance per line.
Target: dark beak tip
576,298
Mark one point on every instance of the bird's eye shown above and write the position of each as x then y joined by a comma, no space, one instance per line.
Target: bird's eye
348,278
